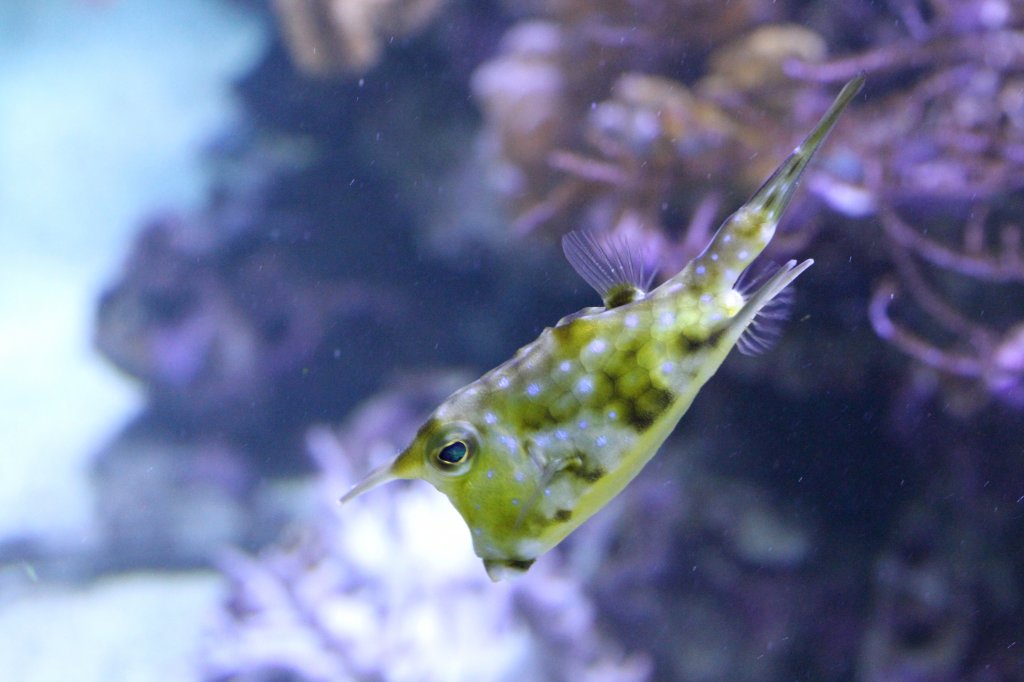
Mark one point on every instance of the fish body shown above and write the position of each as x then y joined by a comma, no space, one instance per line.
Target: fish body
536,446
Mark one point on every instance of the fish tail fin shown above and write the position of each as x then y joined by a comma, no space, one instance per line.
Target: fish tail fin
774,195
745,234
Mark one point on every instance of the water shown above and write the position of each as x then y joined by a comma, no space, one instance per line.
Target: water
243,254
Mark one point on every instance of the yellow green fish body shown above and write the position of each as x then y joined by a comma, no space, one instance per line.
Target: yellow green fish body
536,446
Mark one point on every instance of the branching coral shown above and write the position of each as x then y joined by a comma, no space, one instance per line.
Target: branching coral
939,160
992,359
606,129
581,133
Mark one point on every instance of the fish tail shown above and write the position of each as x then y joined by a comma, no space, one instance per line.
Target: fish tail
745,234
774,195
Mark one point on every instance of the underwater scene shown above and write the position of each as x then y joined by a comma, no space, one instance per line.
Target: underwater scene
511,340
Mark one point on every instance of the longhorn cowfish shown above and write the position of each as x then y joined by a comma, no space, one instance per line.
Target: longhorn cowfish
535,447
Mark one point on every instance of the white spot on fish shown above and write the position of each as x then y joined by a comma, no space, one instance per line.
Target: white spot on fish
668,319
601,441
533,389
472,391
667,367
565,366
490,417
583,423
477,531
503,382
585,385
701,269
509,442
561,434
705,298
726,239
631,321
547,492
714,256
515,501
743,254
520,476
598,346
613,415
490,473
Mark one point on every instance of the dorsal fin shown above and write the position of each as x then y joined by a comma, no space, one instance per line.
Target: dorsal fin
766,328
615,270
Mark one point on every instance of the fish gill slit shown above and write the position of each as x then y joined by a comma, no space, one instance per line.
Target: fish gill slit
548,469
649,406
579,468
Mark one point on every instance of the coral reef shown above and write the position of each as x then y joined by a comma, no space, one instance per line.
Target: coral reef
592,134
584,139
978,360
592,141
845,507
938,162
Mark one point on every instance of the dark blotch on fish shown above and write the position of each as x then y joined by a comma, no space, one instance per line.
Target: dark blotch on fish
589,475
649,407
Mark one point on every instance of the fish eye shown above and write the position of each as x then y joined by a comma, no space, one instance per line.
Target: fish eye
454,452
453,449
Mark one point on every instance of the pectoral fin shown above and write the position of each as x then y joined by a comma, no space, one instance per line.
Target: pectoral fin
766,329
744,328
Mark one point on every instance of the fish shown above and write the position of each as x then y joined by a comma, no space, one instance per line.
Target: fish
538,445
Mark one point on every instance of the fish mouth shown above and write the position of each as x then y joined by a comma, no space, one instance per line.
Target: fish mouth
502,569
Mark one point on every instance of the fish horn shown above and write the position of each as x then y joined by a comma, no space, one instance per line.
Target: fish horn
378,476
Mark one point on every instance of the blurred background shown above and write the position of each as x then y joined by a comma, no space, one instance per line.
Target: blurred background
246,246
